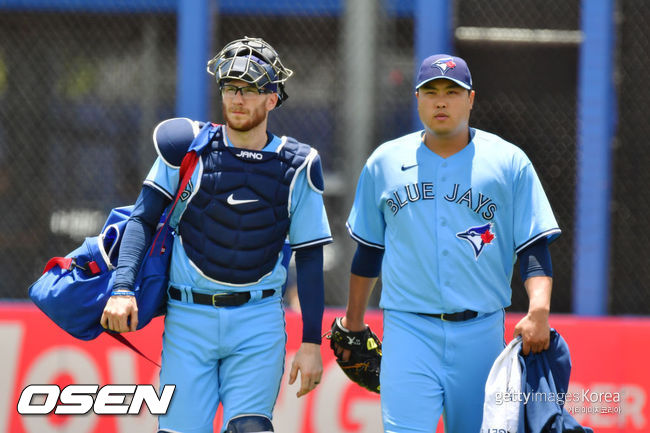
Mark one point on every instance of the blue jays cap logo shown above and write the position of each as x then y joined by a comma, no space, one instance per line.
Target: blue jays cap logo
478,237
444,64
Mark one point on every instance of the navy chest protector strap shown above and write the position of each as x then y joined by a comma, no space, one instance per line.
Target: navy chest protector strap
73,290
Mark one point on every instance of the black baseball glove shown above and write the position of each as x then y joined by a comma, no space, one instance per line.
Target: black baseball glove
365,354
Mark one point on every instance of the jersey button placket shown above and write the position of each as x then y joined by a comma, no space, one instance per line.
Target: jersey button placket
442,253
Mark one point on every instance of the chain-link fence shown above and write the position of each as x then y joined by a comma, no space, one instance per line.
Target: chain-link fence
81,93
630,270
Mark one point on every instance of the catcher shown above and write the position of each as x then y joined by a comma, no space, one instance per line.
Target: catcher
357,353
224,339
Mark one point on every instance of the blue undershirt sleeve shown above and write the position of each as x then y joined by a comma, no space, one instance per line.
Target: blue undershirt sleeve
137,236
535,260
311,291
367,261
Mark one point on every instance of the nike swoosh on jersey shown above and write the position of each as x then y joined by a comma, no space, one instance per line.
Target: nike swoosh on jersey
233,201
406,167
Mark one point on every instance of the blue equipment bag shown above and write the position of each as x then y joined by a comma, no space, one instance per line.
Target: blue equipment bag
74,289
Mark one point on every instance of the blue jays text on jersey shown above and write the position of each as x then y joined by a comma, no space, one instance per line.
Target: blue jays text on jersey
426,191
451,227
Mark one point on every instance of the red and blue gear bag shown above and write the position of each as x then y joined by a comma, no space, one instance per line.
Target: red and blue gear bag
74,289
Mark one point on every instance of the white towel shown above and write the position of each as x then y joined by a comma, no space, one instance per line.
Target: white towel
503,392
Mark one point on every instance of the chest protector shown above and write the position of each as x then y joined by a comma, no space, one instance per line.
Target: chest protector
234,227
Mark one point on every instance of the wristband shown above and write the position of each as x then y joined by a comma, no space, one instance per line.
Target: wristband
122,293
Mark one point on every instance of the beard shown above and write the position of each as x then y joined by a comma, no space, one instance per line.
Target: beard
245,122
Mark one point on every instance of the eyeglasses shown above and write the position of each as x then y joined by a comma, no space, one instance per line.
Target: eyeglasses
247,92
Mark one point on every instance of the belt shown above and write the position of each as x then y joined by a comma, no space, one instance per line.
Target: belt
454,317
234,299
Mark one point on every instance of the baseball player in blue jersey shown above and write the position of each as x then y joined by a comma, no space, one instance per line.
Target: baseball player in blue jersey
443,213
224,339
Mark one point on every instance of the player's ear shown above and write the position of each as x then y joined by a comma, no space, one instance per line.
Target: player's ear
271,101
471,98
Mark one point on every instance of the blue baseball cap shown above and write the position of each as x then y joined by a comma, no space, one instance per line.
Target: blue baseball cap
444,66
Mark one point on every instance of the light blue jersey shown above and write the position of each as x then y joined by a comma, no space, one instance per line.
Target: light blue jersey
308,226
451,227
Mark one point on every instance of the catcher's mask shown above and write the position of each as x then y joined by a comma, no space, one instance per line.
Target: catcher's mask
252,60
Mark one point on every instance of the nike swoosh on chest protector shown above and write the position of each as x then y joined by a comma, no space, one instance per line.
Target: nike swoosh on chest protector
233,201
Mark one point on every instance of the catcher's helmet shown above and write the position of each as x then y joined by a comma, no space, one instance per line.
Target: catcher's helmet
252,60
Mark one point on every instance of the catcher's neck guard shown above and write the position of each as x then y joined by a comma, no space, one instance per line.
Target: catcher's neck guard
252,60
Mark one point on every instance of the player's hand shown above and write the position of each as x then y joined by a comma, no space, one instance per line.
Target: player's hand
354,327
535,332
310,364
120,314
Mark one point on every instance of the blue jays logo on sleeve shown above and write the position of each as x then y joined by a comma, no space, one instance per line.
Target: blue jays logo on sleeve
444,64
478,237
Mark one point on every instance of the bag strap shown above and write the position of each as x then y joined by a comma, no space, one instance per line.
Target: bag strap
187,169
190,160
122,339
